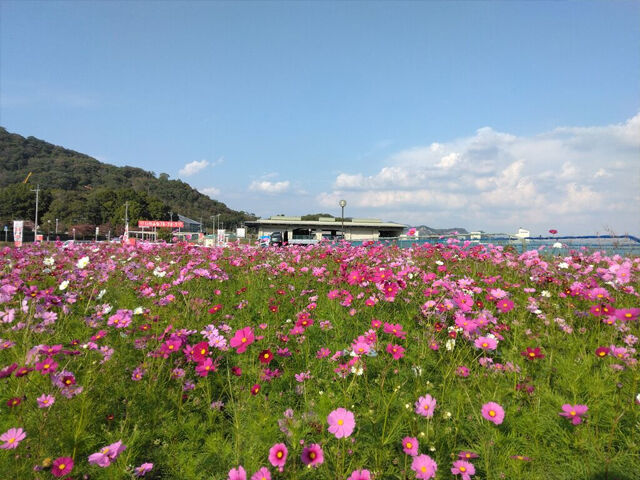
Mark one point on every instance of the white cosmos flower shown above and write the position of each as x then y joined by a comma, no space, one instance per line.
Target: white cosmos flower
557,245
49,261
545,293
83,262
138,311
64,285
101,294
449,344
563,265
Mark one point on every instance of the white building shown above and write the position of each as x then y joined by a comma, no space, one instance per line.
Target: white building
296,230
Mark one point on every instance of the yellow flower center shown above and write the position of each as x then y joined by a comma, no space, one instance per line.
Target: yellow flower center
572,412
485,344
463,469
340,422
266,355
312,455
409,445
243,339
61,466
423,469
492,413
279,454
12,439
46,365
426,407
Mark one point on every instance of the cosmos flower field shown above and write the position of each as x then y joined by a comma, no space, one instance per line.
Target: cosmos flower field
448,361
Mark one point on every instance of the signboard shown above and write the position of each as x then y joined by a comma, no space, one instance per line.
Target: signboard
160,224
17,232
240,232
221,236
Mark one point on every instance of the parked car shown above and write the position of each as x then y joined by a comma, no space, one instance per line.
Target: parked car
276,239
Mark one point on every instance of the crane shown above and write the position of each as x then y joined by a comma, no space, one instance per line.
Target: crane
27,179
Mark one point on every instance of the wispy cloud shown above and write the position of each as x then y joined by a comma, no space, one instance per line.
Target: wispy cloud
576,178
210,191
266,186
193,167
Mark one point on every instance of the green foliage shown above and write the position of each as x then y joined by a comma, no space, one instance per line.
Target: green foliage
80,189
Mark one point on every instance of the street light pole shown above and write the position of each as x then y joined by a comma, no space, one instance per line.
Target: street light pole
35,229
56,226
343,203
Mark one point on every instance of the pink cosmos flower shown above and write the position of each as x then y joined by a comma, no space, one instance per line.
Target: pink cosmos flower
360,475
142,469
45,401
574,412
12,438
312,455
466,455
278,456
486,343
425,406
462,371
237,474
505,305
61,466
463,468
108,454
341,422
47,366
396,351
493,412
410,446
262,474
242,339
424,466
205,367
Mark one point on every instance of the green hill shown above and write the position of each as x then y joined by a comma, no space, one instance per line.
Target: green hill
79,190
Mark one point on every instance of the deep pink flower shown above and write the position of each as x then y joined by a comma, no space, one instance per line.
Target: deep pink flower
47,366
463,468
410,446
396,351
504,305
205,367
262,474
462,371
493,412
61,466
602,351
532,353
424,466
242,339
341,422
237,474
360,475
574,412
466,455
425,406
200,351
278,456
312,455
12,438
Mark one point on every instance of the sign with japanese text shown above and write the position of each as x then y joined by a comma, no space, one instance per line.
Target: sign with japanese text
160,224
18,225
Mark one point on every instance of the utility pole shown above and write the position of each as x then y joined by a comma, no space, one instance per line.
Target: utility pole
35,229
126,220
56,226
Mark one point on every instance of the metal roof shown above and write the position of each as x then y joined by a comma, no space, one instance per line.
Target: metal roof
337,222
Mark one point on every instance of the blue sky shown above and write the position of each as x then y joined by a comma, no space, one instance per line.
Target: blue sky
484,115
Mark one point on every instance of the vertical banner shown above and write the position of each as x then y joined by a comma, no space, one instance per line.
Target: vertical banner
221,236
240,232
17,232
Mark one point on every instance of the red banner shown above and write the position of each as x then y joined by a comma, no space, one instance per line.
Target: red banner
160,223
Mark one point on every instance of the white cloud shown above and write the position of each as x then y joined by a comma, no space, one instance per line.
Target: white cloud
210,191
193,168
266,186
577,179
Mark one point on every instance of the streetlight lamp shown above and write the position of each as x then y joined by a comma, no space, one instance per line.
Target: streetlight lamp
343,203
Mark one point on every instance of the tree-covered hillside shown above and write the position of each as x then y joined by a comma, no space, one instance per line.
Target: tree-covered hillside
79,190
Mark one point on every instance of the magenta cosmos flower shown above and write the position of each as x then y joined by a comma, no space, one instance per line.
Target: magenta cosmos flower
12,438
61,466
262,474
278,455
410,446
312,455
108,454
574,412
425,406
242,339
237,474
463,468
341,422
360,475
424,466
493,412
